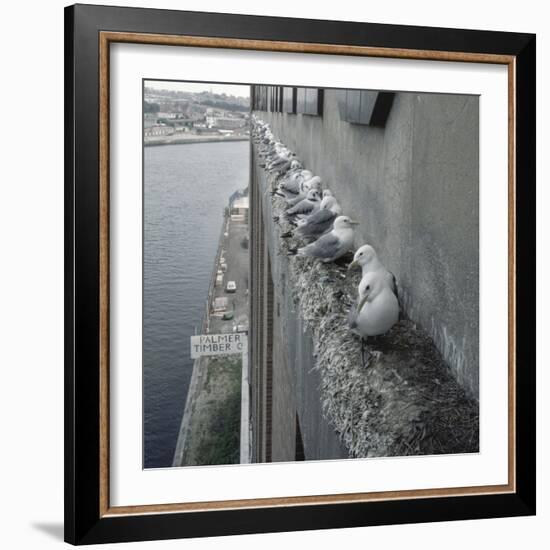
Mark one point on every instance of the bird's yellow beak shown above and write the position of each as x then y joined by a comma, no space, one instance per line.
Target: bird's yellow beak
362,303
353,222
353,265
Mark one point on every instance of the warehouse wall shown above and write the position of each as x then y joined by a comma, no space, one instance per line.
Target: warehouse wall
292,392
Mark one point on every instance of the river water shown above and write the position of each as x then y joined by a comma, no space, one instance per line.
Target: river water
186,188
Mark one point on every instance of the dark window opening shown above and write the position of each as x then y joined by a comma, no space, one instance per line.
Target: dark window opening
365,107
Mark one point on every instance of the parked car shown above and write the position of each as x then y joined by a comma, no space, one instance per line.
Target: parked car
228,315
240,328
231,286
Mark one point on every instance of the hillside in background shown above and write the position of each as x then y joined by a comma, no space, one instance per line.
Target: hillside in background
192,105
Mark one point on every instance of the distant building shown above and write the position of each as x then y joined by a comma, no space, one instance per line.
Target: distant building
201,128
239,210
210,116
166,115
224,120
149,119
183,123
227,123
158,130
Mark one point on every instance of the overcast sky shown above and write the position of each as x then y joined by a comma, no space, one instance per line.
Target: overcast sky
242,90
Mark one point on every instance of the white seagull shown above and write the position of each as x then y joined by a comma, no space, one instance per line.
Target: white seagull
367,259
333,245
305,186
290,186
319,222
306,206
377,308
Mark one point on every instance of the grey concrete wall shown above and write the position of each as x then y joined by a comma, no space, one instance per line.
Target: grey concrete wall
413,185
295,387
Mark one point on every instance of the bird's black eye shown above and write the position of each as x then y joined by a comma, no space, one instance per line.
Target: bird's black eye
368,287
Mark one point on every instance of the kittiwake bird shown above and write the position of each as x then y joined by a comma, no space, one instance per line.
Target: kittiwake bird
306,206
313,183
329,202
367,259
319,222
306,186
376,311
295,165
332,245
290,186
282,161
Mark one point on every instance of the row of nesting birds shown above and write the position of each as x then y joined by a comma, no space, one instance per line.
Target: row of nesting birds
317,217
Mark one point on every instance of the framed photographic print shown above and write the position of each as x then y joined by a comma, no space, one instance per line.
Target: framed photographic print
299,274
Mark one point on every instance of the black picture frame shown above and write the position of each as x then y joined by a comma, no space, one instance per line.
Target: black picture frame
84,524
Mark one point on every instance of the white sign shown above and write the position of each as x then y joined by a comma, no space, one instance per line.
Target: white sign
218,344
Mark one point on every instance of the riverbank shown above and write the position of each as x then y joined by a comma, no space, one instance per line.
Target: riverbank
210,426
211,431
179,140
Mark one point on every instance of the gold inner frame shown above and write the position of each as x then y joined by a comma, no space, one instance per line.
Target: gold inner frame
105,39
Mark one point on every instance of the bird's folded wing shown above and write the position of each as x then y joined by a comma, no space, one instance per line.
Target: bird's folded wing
301,208
321,217
326,246
317,223
395,288
295,200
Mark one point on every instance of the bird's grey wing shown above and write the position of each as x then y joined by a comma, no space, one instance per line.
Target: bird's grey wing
279,161
394,289
291,186
325,247
318,223
286,194
294,201
283,166
303,207
320,217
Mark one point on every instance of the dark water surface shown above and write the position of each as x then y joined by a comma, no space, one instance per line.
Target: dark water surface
186,189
